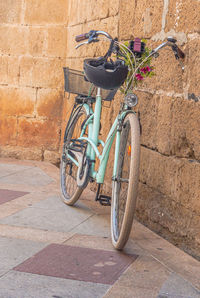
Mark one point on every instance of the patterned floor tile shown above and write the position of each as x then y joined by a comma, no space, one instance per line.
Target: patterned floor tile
9,195
77,263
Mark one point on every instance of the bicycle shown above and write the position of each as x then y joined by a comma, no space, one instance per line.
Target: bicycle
81,138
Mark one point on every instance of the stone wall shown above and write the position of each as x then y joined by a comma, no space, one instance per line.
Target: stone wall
37,40
33,38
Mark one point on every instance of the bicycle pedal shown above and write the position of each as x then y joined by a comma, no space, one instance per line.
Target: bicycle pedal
104,200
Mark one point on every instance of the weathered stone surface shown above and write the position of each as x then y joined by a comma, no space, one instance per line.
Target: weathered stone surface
193,67
17,101
41,72
168,73
185,128
13,40
31,153
170,125
57,42
46,12
87,11
49,103
36,41
126,19
9,70
38,133
52,156
174,177
8,130
156,209
140,18
183,16
10,11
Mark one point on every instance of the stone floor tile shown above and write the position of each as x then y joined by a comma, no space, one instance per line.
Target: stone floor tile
98,242
9,169
9,195
15,251
33,234
175,286
126,292
144,273
77,263
32,176
98,225
26,285
43,215
173,258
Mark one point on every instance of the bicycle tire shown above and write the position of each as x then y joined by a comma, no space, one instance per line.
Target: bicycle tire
70,191
124,188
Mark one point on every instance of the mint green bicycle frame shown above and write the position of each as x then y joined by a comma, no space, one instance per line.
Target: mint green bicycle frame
93,124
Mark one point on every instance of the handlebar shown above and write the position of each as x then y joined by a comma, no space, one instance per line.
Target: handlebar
82,37
92,36
172,43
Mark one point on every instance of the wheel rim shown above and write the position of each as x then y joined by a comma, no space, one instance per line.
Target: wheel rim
68,169
121,185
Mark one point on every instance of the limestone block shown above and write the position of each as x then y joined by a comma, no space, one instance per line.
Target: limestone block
8,130
31,153
170,125
183,16
41,72
38,133
77,12
194,228
140,18
74,63
46,12
148,109
86,11
57,42
148,18
10,11
17,101
174,177
169,75
13,40
127,19
9,70
185,129
36,41
49,103
52,156
193,67
159,211
113,7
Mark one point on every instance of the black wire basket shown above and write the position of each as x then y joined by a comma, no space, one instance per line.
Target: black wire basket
76,83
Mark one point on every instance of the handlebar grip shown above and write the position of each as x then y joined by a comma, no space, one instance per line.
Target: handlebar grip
180,53
82,37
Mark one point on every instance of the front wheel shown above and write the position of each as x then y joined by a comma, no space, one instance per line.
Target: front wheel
125,184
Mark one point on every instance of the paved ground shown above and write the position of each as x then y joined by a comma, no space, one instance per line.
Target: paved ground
48,249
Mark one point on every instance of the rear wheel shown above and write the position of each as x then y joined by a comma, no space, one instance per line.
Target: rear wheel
70,191
125,185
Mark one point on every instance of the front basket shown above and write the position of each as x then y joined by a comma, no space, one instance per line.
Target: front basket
76,83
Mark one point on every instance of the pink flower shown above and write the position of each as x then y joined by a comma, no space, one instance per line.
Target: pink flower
146,69
139,77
